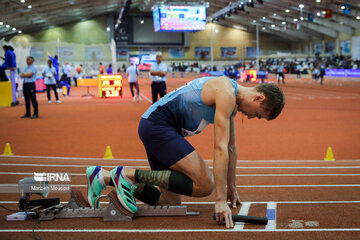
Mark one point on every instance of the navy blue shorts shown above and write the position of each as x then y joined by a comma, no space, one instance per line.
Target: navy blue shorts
164,146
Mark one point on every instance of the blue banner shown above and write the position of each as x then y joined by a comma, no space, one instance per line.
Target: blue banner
228,52
202,52
176,52
342,72
347,8
310,17
345,47
251,52
122,52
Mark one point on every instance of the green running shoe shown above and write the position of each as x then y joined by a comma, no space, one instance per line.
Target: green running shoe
95,184
123,190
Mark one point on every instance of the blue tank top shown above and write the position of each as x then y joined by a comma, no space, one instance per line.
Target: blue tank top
184,109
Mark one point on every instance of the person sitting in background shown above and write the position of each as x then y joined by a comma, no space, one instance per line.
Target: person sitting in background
49,74
109,70
315,74
10,62
101,68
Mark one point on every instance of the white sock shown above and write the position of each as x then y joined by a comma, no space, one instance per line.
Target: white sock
125,177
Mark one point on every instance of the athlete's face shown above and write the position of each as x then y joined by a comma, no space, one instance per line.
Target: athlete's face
252,107
158,58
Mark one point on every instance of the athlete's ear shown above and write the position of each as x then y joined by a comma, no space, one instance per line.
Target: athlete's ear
259,97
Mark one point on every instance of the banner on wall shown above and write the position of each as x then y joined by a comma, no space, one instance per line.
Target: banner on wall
228,52
37,52
66,53
318,48
345,47
356,48
251,52
176,52
202,52
122,52
145,50
93,53
330,48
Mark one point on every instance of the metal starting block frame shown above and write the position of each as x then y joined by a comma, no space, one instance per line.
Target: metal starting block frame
78,207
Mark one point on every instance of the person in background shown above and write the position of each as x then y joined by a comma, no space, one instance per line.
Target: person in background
55,63
158,77
101,68
78,74
49,74
65,79
322,74
29,76
280,73
109,70
10,62
132,74
298,71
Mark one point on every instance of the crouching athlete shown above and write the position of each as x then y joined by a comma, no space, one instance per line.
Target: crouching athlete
176,167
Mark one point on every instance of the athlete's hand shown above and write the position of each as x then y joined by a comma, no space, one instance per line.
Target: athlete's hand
233,197
223,213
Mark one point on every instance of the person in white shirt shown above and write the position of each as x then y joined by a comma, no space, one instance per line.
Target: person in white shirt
132,74
158,77
49,74
298,71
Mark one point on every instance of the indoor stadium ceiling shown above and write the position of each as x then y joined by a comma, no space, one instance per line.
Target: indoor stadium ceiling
277,17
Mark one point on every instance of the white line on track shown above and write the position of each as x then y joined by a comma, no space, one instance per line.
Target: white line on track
145,160
244,210
271,214
146,98
237,175
177,230
238,167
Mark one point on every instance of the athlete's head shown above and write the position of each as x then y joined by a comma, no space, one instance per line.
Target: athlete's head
263,101
158,57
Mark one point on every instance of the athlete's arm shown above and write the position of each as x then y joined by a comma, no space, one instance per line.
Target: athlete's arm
232,194
157,73
224,105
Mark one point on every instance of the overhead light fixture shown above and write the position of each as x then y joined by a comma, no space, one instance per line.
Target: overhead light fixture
142,21
301,6
274,14
273,25
318,1
263,28
254,21
108,29
323,12
341,23
22,1
264,18
216,30
29,6
301,18
283,23
295,20
287,10
358,17
1,23
342,7
14,29
318,14
8,26
19,31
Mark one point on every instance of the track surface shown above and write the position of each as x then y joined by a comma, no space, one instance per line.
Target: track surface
280,171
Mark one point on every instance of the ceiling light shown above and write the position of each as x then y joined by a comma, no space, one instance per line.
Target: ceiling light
341,23
254,21
358,17
283,23
1,23
22,1
318,14
263,28
343,7
19,31
8,26
216,30
108,29
274,14
295,19
14,29
301,6
142,21
264,18
323,12
273,25
29,6
287,10
318,1
301,18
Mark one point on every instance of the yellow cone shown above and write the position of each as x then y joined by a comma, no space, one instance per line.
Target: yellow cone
108,153
329,155
7,151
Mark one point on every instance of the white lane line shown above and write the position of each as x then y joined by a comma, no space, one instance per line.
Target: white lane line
271,215
242,186
210,203
70,165
147,99
177,230
237,175
145,160
244,210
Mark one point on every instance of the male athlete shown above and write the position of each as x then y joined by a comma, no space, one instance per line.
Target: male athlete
176,167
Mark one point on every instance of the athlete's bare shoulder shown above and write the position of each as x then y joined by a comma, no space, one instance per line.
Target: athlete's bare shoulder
215,87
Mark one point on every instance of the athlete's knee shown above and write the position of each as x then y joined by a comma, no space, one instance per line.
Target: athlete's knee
204,187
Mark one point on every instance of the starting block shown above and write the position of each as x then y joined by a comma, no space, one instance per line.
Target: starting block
78,207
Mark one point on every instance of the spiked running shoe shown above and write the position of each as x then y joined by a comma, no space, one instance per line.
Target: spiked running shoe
95,184
123,190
